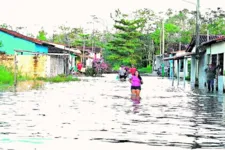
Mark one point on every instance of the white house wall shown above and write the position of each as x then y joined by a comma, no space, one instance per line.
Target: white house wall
158,62
48,66
193,68
202,74
56,65
217,48
98,55
89,62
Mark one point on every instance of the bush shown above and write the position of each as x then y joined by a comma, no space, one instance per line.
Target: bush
147,69
6,76
116,67
90,72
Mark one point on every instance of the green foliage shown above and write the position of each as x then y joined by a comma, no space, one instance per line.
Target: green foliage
90,72
147,69
6,76
116,67
188,78
132,41
189,68
1,44
157,52
126,41
42,35
6,26
59,78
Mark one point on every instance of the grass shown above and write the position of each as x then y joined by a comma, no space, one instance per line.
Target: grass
7,78
147,69
59,78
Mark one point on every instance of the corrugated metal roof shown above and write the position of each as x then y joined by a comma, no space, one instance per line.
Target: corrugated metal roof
16,34
180,56
173,47
64,47
202,38
217,40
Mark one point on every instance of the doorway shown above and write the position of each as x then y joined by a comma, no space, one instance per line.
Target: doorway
220,62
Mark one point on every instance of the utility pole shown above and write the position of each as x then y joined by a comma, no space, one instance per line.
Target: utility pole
163,40
197,27
83,50
163,65
207,35
160,41
92,42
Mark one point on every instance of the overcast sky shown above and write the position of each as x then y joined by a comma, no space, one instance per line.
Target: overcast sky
51,13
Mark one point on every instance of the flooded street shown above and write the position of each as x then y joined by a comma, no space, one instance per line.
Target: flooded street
98,113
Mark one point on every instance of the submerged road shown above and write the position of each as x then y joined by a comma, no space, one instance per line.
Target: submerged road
98,113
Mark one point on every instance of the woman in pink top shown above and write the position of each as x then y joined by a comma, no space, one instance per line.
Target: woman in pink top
136,82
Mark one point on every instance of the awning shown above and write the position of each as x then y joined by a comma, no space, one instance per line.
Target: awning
181,56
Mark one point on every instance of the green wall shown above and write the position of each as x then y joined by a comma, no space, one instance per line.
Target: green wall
11,43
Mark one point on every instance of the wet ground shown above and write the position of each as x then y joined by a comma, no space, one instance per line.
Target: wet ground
97,113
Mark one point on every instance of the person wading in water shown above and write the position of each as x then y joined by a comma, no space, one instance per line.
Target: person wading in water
122,74
136,82
132,70
211,74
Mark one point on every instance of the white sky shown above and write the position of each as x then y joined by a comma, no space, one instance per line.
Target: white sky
49,14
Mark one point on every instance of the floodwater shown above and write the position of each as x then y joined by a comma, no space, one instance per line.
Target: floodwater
97,113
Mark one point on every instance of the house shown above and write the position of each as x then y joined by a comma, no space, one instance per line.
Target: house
12,40
199,61
177,67
214,53
35,58
90,54
25,50
61,58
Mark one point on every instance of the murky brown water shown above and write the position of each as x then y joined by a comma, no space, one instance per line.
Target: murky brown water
98,113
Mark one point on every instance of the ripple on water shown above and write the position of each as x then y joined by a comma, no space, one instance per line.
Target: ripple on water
100,111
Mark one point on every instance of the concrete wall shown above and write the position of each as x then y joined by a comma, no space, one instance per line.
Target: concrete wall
11,43
34,66
7,61
40,66
57,66
27,65
41,49
158,62
202,74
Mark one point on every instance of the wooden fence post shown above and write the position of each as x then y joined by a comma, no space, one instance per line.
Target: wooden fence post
15,69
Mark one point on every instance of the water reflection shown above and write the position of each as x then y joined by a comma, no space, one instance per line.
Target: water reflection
101,111
136,104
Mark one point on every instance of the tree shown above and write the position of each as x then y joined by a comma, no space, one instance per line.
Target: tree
126,41
42,35
6,26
